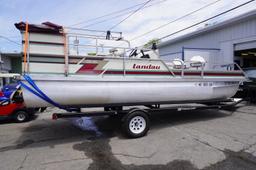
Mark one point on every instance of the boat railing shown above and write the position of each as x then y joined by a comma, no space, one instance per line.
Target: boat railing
98,41
107,67
93,40
80,41
168,68
228,67
182,66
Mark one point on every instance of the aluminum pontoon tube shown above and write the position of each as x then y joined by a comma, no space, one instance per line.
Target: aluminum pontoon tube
36,91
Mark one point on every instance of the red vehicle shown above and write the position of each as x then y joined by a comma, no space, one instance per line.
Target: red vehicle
14,110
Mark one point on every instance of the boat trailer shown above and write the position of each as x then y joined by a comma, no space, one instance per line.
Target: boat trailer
135,120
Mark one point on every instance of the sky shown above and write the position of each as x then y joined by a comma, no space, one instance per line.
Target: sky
73,12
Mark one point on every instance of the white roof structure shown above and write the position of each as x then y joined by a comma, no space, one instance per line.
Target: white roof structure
214,27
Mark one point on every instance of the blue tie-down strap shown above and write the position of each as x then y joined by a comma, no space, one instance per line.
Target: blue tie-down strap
36,91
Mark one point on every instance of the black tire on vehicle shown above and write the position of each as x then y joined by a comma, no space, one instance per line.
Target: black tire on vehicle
136,124
21,116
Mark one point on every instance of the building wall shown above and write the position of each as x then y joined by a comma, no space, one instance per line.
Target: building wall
224,39
6,66
11,64
16,65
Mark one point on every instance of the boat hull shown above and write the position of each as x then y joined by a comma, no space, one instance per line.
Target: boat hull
106,93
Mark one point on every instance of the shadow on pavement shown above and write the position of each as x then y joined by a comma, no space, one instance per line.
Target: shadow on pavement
10,120
165,119
47,132
92,137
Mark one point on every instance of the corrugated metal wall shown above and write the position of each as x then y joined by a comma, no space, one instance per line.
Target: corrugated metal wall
221,38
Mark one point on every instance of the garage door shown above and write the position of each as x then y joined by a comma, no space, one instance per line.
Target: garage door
245,45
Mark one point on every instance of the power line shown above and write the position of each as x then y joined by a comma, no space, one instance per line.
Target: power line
130,15
207,19
114,17
117,16
164,25
6,38
109,14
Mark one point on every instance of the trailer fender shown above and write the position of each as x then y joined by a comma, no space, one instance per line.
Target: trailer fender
134,110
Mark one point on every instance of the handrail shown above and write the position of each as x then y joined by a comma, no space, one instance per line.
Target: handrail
90,30
202,70
229,64
124,71
90,36
82,60
202,66
168,68
124,68
87,45
241,70
102,73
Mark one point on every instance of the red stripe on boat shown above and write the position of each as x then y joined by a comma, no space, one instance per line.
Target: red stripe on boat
176,73
87,68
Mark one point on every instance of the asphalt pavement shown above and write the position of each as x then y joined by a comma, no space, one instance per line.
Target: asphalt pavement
209,140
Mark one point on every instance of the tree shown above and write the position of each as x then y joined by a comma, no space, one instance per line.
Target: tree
151,42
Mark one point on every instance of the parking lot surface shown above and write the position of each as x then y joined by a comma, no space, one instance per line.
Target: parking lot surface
207,140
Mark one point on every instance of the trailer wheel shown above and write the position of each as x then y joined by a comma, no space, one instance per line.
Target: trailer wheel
136,124
21,116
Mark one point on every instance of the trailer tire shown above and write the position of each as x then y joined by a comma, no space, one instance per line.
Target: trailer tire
136,124
21,116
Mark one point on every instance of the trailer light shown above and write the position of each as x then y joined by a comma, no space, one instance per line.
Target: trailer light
54,116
